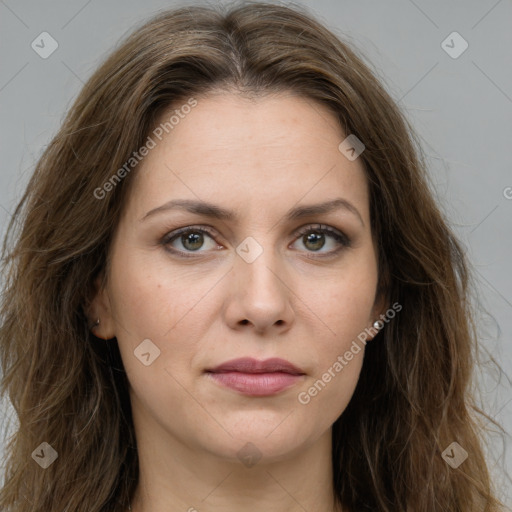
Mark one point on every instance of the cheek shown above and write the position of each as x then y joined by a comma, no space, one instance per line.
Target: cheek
151,298
153,303
330,390
344,313
342,307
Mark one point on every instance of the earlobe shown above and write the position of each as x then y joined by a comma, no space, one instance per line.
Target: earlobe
378,324
379,311
95,329
374,329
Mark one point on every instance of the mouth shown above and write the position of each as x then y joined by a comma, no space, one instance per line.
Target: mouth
256,378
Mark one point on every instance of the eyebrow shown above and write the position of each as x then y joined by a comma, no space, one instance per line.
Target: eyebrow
217,212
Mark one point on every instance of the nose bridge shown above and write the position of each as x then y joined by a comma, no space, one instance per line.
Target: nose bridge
262,291
258,262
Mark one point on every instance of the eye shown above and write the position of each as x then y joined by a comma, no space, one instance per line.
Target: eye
314,239
192,239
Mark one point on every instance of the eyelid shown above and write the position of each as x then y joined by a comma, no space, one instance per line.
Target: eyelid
195,227
323,228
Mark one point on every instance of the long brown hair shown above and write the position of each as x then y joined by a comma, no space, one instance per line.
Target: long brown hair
69,388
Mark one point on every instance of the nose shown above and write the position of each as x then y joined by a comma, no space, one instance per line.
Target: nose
259,295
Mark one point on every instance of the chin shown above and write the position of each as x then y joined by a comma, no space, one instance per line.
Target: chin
257,440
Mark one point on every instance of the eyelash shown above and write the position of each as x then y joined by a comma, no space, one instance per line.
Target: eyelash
340,238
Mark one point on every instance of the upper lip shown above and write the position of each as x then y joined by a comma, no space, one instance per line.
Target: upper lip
250,365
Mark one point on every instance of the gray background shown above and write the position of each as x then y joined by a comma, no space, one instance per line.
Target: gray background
461,108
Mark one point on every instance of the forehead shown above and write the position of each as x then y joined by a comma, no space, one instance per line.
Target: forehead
250,153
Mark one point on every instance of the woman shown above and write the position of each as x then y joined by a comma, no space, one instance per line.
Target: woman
233,290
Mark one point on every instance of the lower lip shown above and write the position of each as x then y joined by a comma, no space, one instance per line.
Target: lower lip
256,384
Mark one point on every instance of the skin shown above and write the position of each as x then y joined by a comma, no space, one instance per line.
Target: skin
260,158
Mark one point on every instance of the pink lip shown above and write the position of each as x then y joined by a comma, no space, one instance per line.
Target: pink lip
256,378
250,365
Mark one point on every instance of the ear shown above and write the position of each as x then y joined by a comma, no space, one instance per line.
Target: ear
98,307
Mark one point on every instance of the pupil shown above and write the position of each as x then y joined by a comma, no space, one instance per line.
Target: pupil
312,237
192,238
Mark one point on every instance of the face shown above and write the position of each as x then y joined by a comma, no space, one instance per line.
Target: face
260,283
